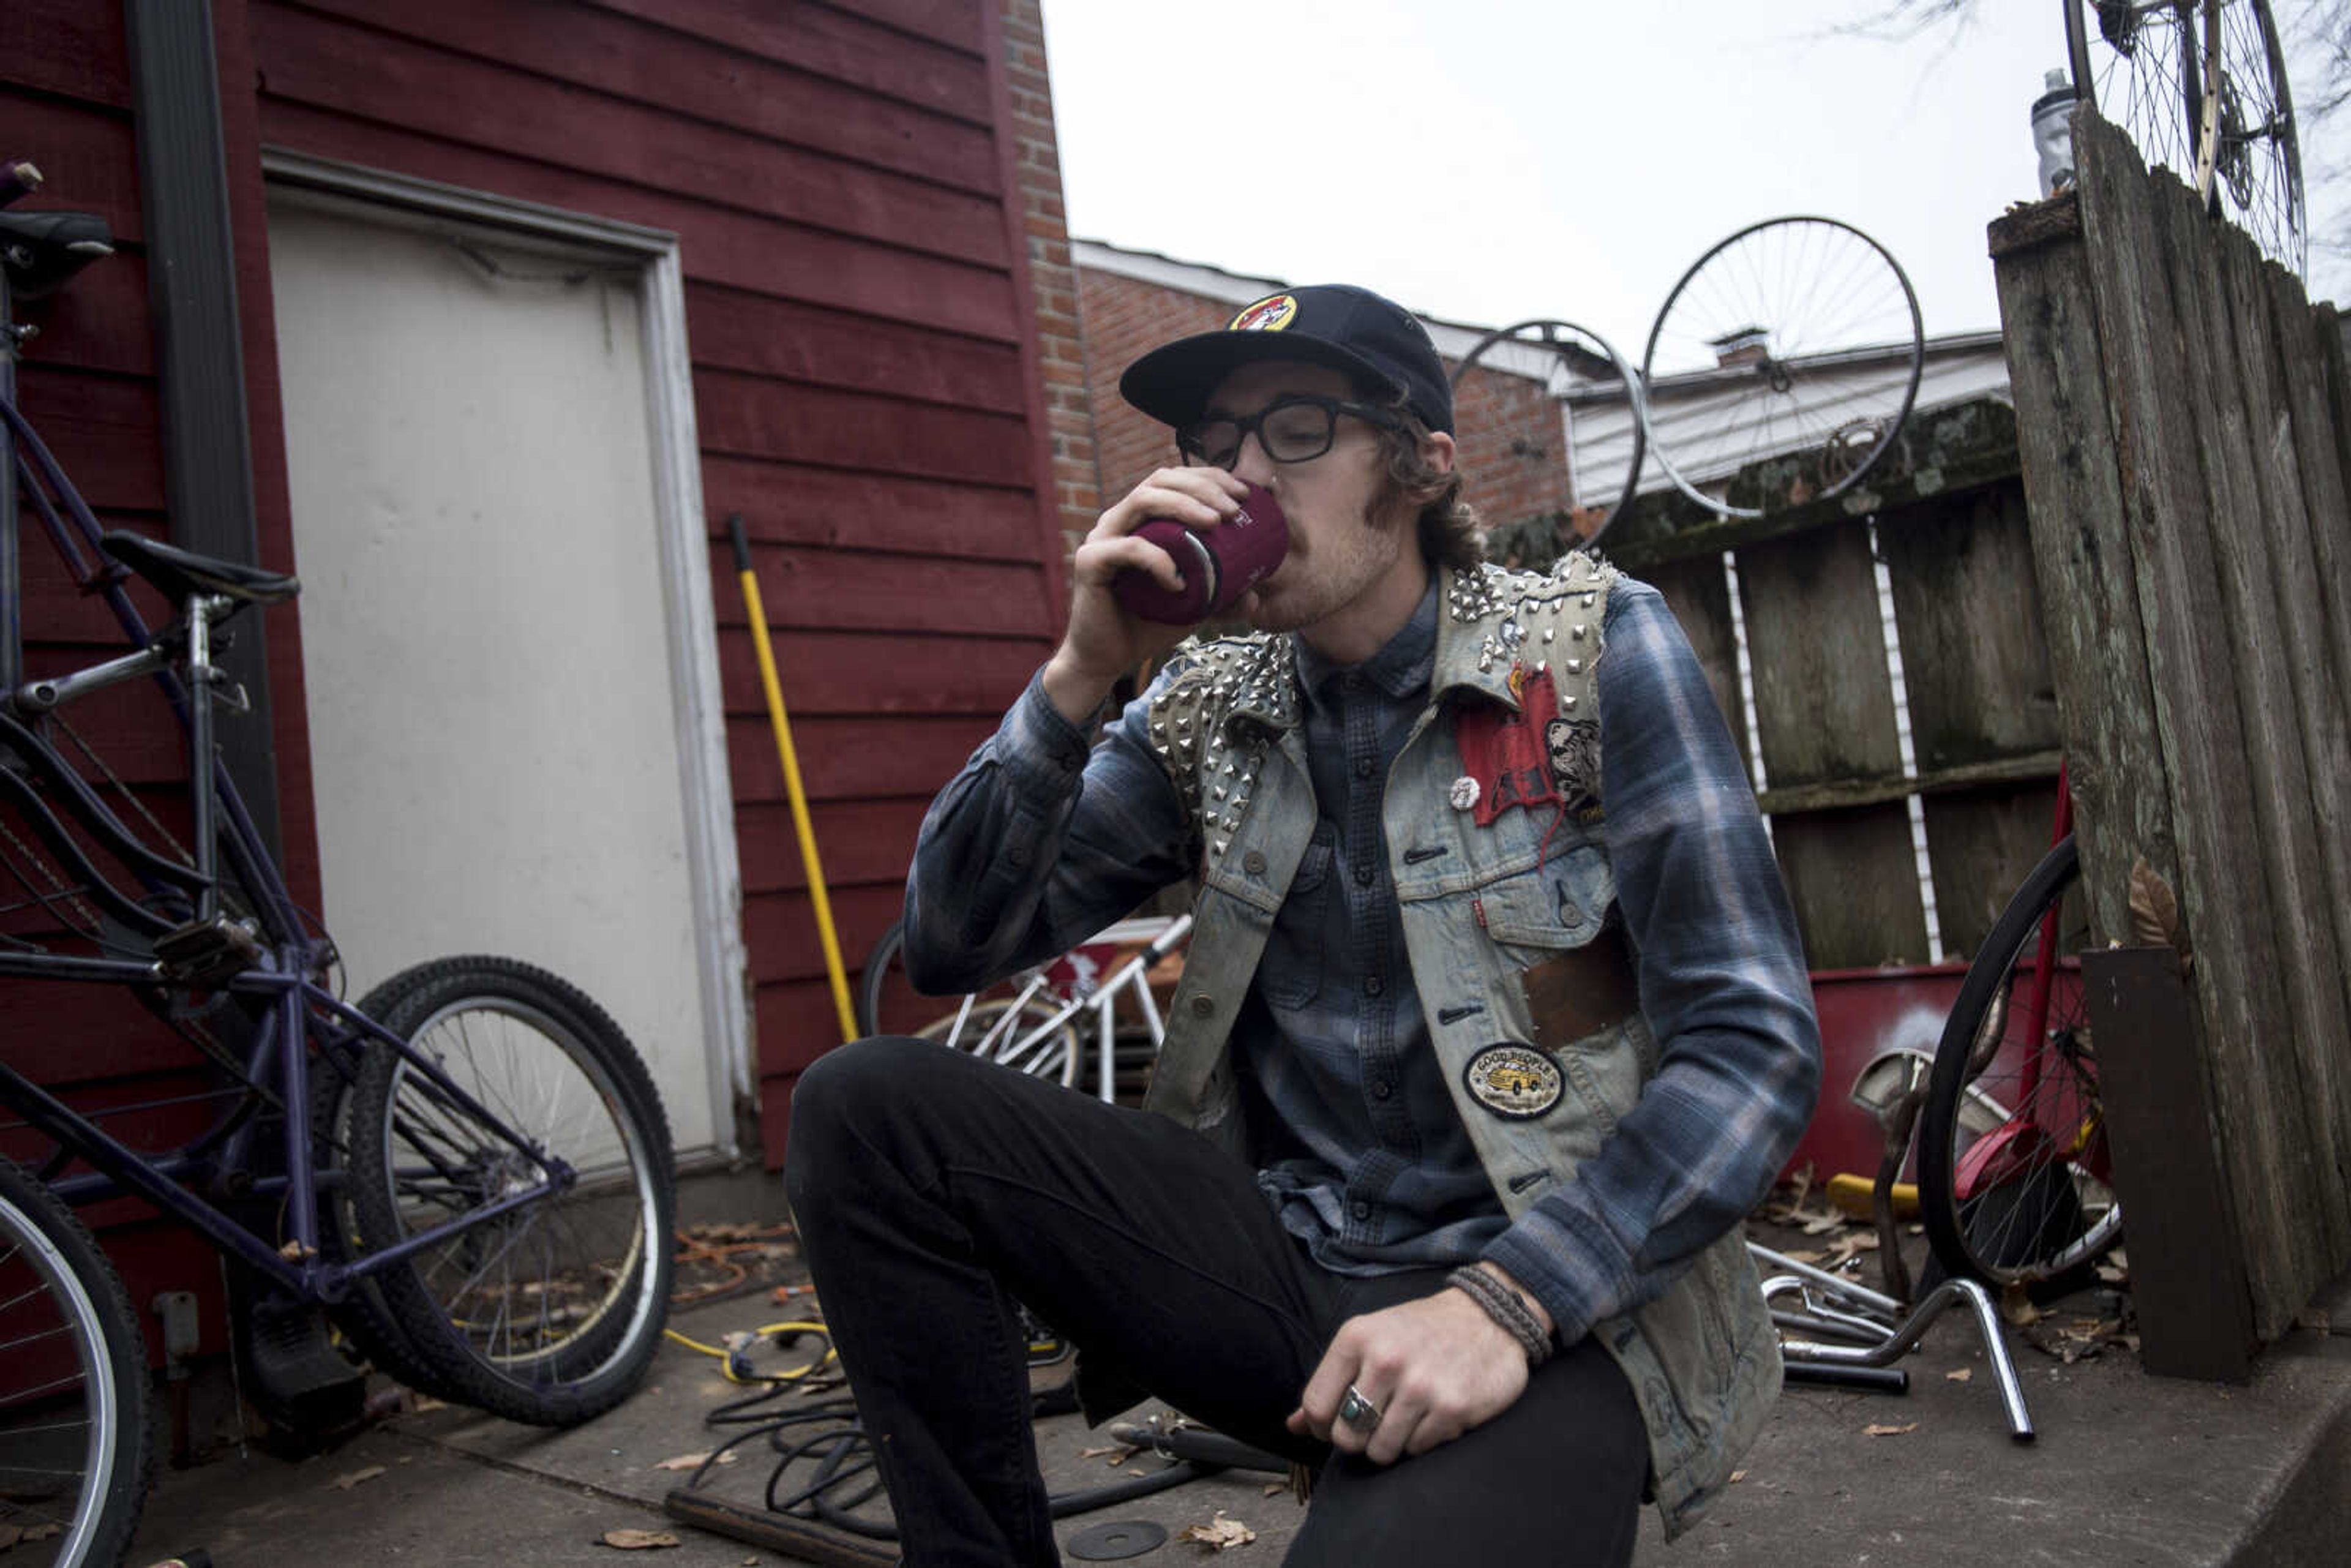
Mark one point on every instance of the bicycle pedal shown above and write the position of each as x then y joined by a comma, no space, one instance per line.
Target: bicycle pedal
306,1389
206,953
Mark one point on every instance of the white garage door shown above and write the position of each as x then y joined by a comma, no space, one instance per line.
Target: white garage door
491,695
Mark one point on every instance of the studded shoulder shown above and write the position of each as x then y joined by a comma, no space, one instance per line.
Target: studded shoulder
1211,718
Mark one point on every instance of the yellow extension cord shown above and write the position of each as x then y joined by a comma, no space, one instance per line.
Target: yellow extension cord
726,1357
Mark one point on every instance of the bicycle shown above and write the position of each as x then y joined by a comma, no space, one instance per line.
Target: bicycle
2200,86
470,1170
2014,1175
1024,1023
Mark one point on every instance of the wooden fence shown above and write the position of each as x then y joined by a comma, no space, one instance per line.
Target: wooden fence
2182,410
1945,513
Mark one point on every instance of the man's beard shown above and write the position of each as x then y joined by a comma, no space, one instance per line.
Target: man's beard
1337,571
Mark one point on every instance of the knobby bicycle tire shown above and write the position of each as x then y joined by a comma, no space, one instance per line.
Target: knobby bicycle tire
573,1335
874,977
363,1315
58,1290
2042,1211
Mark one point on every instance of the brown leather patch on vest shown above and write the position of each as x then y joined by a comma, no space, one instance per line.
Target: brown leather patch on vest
1583,991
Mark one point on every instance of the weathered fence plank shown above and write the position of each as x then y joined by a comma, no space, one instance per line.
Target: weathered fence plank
1982,844
1975,661
2160,410
1975,666
2183,429
2317,575
1853,877
2278,890
1823,706
2302,717
1699,596
2081,545
1824,714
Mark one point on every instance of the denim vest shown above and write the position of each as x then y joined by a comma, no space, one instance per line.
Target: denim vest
1479,906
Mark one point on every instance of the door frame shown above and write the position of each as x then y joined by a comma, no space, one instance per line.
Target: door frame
401,201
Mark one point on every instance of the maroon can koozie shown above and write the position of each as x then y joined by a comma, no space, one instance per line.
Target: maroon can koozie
1219,564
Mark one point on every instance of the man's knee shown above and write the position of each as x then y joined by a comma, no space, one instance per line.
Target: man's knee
845,1097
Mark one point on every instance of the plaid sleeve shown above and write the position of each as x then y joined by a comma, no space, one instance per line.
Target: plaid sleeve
1723,984
1038,844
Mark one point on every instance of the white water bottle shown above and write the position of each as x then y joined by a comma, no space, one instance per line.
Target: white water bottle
2052,131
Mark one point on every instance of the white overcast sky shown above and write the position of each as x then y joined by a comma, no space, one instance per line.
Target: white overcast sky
1489,161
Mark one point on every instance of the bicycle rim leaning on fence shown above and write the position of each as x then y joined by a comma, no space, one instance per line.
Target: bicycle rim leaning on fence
2013,1179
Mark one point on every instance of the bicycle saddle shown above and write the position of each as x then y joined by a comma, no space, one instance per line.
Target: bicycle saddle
41,250
178,573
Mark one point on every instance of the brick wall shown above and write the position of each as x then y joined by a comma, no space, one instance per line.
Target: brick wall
1512,444
1053,281
1125,317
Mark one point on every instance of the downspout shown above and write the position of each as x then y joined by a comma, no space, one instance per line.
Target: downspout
199,352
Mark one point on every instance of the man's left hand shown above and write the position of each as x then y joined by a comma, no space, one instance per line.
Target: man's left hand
1434,1367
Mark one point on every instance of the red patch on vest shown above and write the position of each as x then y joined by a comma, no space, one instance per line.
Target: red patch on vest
1505,751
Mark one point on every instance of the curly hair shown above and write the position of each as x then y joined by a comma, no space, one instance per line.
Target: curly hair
1450,533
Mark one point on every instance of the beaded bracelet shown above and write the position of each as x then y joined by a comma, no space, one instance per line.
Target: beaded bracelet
1502,1304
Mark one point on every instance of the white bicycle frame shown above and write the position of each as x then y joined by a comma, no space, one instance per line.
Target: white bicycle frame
1012,1042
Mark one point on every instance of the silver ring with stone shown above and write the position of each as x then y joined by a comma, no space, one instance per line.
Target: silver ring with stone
1357,1411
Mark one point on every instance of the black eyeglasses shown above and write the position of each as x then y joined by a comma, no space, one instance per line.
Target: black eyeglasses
1294,429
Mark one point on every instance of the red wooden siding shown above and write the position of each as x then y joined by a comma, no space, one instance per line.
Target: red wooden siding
863,331
870,222
90,390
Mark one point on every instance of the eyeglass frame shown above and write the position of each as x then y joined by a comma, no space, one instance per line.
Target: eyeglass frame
1251,424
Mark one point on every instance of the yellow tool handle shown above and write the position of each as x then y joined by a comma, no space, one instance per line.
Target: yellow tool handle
792,788
1852,1194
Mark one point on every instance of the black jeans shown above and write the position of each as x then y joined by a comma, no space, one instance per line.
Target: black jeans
931,1189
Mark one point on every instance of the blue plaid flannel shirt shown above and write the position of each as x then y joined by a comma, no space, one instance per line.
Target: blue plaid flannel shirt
1040,842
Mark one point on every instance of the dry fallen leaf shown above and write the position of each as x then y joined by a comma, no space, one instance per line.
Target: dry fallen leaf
1112,1454
2017,1307
1876,1430
1275,1488
1962,1375
695,1461
2155,911
1219,1533
1738,1476
637,1539
346,1482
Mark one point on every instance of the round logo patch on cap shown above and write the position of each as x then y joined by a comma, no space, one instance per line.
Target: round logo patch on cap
1514,1081
1271,314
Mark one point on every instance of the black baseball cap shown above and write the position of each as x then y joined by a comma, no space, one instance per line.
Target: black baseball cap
1377,341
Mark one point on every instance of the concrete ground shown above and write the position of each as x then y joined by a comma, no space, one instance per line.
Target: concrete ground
2127,1470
